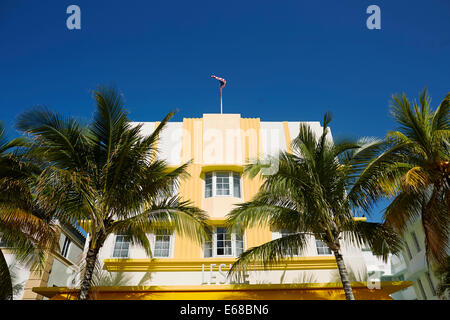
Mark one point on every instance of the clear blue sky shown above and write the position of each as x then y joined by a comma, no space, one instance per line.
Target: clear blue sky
283,60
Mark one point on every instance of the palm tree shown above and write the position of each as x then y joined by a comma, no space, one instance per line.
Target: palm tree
419,174
108,176
24,226
443,273
313,193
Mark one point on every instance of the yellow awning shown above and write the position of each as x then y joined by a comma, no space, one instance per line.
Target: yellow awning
307,291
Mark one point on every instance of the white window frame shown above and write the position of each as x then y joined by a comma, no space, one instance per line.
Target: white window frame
233,244
171,245
317,251
114,246
230,183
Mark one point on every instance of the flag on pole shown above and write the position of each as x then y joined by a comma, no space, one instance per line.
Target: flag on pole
223,82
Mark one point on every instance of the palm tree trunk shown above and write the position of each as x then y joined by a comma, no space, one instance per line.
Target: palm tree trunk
344,275
91,259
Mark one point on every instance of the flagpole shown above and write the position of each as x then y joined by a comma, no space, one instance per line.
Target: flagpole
223,82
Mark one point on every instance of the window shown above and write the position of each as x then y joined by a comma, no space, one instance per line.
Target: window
322,248
122,246
422,291
65,248
224,243
285,233
208,247
224,247
430,283
3,243
291,252
163,244
416,242
236,185
222,183
239,244
400,277
408,251
208,185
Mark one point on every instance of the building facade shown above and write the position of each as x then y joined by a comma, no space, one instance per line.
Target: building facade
219,145
58,269
399,272
393,269
418,271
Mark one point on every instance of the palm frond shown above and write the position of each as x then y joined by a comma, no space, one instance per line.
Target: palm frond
8,145
184,218
441,118
420,177
61,137
109,124
436,225
6,287
379,237
269,253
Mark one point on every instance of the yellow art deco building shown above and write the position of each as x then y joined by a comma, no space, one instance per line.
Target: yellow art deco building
219,145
